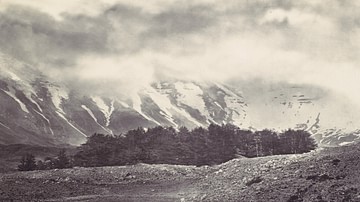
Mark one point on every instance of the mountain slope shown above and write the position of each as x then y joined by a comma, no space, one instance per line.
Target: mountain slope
36,110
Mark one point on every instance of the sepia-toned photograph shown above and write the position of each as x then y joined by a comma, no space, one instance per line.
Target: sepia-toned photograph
180,100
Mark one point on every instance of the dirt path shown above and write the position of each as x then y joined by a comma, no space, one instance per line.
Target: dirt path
123,183
172,191
169,191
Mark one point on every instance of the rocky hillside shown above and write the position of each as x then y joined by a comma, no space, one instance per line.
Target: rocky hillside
36,110
325,175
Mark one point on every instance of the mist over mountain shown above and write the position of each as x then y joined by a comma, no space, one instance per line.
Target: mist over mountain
37,110
68,70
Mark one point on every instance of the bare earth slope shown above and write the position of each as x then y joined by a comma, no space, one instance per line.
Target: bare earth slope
328,175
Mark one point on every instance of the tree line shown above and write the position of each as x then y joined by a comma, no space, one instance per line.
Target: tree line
166,145
200,146
61,161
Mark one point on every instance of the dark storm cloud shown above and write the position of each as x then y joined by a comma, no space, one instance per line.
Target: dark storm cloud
308,41
159,28
32,36
181,32
188,20
126,12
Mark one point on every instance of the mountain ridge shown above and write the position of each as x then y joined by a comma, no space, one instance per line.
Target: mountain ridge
36,110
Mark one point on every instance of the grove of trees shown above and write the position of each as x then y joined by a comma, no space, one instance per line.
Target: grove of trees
61,161
159,145
200,146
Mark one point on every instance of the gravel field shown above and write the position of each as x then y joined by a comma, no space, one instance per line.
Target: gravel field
330,174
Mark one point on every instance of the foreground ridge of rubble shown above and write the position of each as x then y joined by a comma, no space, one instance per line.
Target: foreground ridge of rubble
331,174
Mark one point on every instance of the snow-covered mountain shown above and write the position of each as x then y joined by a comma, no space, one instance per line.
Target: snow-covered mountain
35,110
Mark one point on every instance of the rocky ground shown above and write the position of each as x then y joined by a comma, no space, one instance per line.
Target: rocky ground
331,174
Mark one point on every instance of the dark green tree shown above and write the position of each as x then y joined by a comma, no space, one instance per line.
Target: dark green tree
200,146
269,142
97,151
245,143
27,163
296,142
62,160
40,165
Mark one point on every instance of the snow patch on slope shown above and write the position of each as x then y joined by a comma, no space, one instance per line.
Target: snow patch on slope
23,83
13,76
89,112
164,103
11,93
58,95
192,96
4,126
35,103
47,120
124,104
105,109
227,90
95,119
63,117
136,102
40,112
217,104
345,143
234,106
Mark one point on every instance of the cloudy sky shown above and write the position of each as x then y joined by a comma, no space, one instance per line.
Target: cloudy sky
135,42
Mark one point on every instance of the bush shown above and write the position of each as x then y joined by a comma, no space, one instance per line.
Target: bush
27,163
61,161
